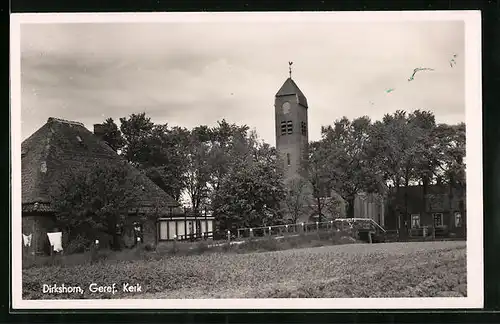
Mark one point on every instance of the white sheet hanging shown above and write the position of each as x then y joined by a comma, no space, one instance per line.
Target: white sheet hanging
27,239
55,240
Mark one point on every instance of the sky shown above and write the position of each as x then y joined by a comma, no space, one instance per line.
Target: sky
193,73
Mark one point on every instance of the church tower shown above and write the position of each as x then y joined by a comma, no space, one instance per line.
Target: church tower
290,106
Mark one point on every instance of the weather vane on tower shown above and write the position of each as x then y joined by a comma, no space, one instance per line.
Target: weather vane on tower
290,68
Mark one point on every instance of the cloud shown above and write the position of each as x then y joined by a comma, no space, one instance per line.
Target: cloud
189,74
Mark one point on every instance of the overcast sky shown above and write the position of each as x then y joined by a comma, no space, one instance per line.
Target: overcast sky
188,74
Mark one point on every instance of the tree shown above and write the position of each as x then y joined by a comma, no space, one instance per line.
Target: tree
112,135
251,192
197,167
350,169
428,151
320,181
168,155
227,141
296,199
137,131
452,165
96,199
161,152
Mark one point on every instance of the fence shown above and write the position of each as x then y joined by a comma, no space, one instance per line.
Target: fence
280,230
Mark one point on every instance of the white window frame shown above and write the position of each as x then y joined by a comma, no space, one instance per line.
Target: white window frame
434,219
418,223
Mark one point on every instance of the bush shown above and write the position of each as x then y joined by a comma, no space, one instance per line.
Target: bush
149,247
201,247
77,245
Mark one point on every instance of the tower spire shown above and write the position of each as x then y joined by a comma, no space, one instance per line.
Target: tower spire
290,69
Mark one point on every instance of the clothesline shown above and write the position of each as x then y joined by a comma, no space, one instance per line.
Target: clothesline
55,240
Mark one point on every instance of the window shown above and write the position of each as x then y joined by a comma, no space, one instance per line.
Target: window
415,221
283,128
163,230
303,128
438,219
286,127
289,127
288,162
458,219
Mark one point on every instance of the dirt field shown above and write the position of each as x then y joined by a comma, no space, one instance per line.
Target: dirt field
423,269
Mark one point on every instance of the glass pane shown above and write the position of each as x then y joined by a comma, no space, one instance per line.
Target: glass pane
163,231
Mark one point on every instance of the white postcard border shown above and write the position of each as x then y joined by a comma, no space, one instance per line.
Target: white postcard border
475,280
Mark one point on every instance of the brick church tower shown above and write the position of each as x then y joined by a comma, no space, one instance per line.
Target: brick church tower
292,138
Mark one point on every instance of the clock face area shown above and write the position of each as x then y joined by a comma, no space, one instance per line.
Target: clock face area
286,107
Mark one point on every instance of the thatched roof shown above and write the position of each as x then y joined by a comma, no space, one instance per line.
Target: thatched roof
61,147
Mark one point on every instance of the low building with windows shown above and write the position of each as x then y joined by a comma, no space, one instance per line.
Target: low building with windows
186,226
439,208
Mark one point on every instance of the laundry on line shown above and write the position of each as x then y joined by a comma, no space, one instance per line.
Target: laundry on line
55,240
27,239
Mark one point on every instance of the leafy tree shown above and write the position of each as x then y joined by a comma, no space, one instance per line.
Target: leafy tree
197,167
250,194
452,139
296,201
428,151
158,150
320,180
112,135
350,170
96,199
395,145
137,131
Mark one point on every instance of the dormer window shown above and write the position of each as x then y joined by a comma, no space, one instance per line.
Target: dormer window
79,139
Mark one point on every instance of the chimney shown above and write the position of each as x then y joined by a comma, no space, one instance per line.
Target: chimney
99,130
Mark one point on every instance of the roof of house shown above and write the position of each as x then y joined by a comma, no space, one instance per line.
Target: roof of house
417,191
290,88
437,196
61,147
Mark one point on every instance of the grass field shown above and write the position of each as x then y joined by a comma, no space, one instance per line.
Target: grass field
424,269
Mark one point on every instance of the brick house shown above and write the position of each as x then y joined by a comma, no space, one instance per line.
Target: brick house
439,208
60,147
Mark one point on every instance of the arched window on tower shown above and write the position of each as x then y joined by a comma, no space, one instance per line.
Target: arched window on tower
288,162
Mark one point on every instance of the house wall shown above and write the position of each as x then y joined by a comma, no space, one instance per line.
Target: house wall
437,200
369,206
149,232
38,225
